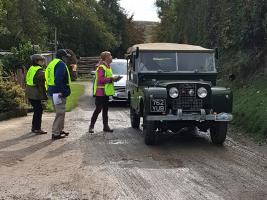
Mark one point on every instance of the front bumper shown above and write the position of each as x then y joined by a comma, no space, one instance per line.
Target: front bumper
202,116
119,96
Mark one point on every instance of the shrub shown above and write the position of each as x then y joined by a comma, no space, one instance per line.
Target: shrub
12,99
20,57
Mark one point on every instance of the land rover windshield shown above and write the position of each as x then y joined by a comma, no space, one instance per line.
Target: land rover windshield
176,62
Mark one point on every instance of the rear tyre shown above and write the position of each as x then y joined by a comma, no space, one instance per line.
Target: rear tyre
149,131
218,132
135,119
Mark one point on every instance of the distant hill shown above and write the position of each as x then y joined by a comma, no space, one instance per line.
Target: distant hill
148,26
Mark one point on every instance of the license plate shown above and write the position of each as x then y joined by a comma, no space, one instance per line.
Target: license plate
158,105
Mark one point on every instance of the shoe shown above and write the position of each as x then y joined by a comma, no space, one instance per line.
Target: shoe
56,137
39,132
91,130
64,133
107,129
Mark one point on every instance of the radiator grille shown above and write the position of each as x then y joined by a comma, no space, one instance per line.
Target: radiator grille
185,101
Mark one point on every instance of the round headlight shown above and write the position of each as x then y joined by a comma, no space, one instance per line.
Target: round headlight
202,92
173,92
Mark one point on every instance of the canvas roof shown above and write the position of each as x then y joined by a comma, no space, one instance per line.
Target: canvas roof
168,47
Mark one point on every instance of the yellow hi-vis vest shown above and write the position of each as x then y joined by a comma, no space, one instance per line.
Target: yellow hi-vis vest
50,72
30,75
109,87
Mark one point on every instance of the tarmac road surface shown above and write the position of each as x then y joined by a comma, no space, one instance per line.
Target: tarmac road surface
119,165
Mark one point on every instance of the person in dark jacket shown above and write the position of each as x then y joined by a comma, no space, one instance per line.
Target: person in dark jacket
36,91
58,80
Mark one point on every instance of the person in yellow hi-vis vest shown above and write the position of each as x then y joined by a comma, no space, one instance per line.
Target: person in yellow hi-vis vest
36,91
103,88
58,80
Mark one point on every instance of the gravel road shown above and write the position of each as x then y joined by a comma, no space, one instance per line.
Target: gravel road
119,165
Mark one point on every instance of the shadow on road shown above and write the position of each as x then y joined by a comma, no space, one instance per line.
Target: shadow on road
14,141
9,158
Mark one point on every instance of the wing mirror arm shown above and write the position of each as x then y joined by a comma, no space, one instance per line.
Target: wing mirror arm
217,53
137,52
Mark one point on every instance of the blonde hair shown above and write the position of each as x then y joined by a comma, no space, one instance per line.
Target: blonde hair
104,55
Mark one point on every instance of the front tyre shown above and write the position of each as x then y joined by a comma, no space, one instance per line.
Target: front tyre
218,132
135,119
149,131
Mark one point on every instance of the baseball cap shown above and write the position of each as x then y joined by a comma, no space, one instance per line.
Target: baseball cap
62,52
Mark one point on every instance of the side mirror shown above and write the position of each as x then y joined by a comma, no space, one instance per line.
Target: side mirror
92,73
137,52
216,53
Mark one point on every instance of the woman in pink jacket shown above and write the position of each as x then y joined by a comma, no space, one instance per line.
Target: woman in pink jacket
101,99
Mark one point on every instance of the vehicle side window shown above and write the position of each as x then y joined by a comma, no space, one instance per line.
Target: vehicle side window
130,69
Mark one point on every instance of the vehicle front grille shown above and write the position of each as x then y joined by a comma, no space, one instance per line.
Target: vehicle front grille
185,101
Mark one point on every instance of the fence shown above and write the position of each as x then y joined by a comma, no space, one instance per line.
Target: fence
86,65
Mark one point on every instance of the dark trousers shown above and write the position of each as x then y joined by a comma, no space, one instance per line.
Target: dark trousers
37,114
101,104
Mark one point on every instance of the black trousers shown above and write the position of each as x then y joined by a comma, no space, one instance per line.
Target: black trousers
37,114
101,104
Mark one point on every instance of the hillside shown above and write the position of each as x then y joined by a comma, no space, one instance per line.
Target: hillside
148,27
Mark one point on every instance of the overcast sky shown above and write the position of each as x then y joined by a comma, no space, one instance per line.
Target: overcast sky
143,10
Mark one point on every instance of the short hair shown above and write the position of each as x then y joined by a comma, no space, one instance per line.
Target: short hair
36,58
104,55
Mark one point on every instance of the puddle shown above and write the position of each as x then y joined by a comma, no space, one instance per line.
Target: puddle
118,142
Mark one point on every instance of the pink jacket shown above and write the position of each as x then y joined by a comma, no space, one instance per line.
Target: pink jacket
102,80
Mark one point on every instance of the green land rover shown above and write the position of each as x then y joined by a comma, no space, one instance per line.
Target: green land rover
173,86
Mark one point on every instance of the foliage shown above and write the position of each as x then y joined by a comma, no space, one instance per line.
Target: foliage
78,26
12,97
250,108
237,27
23,22
72,101
1,68
3,29
85,26
122,27
19,57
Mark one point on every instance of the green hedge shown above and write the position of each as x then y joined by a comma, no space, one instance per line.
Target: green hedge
250,106
12,100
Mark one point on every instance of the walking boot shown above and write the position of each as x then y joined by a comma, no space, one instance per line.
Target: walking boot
107,129
91,129
57,137
39,132
64,133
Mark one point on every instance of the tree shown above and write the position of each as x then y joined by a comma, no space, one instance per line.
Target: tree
23,22
237,28
3,29
116,19
78,25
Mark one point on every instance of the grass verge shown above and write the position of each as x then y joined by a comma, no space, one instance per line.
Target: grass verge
250,107
72,101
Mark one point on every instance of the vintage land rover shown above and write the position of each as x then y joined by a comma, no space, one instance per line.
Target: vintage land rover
173,86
